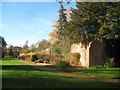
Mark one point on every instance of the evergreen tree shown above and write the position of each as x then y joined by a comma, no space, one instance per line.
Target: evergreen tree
92,21
96,21
62,20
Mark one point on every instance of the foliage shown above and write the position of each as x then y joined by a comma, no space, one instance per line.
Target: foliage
39,61
73,58
24,56
44,44
61,47
54,35
4,52
95,21
33,58
98,66
56,58
43,56
55,49
26,45
24,51
2,42
3,45
109,63
112,51
62,20
33,48
92,21
63,64
60,44
11,51
49,58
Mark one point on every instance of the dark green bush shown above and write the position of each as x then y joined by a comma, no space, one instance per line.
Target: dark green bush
63,64
34,58
97,66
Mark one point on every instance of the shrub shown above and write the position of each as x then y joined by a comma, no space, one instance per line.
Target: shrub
55,59
109,63
46,61
24,57
49,58
33,58
39,61
63,64
43,56
73,58
97,66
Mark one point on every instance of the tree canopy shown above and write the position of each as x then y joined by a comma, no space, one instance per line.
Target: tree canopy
2,42
62,20
93,21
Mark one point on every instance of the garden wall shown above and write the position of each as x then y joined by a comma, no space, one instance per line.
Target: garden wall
91,55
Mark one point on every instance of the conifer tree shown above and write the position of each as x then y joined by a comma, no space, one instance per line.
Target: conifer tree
92,21
62,20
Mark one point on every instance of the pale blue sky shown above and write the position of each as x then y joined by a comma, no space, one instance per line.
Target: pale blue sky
30,21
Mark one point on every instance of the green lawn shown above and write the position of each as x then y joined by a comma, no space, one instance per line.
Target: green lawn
16,74
96,72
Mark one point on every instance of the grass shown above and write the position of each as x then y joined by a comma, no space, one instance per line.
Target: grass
16,74
96,72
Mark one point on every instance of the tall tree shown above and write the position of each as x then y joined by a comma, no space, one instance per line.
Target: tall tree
26,45
62,20
92,21
96,21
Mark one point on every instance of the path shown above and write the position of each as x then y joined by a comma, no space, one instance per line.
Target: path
42,67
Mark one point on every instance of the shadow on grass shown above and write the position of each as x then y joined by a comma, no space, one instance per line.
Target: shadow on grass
25,76
40,79
52,82
97,72
18,67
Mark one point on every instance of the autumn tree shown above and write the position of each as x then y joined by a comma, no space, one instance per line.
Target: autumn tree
54,35
60,44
